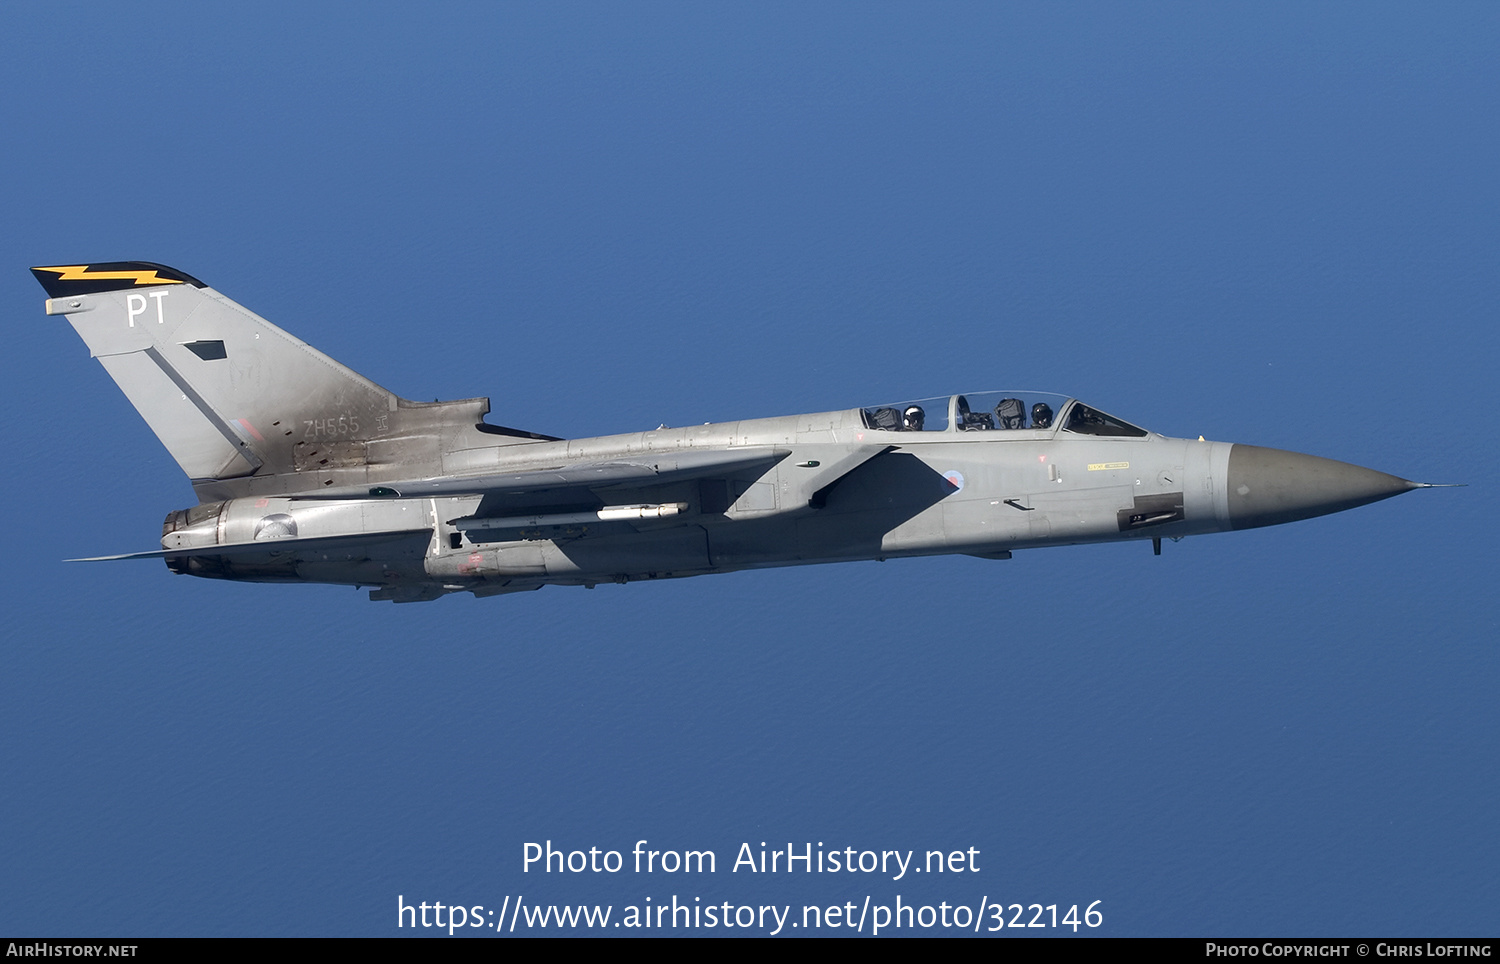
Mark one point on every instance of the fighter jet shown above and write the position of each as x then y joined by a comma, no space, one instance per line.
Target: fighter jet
306,471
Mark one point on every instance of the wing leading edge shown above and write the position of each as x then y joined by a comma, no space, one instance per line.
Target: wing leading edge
577,478
266,546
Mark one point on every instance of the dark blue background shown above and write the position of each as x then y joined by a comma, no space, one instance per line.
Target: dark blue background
1262,223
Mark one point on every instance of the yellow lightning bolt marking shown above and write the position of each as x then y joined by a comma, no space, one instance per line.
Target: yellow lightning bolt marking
80,272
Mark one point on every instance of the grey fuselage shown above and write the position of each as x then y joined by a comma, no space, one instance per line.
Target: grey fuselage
307,471
840,492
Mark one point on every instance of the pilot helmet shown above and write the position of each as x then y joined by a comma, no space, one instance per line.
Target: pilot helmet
1041,415
914,417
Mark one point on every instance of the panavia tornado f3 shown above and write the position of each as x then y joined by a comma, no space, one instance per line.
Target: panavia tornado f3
309,472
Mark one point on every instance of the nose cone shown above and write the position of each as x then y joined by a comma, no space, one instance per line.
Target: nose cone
1269,486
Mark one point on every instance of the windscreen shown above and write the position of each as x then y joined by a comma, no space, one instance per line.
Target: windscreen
1084,420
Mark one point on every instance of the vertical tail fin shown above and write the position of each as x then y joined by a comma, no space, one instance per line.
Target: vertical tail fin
226,391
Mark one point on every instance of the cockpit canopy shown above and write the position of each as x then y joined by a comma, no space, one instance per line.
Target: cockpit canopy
1013,411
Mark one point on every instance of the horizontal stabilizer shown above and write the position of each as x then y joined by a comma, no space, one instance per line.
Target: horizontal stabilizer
311,544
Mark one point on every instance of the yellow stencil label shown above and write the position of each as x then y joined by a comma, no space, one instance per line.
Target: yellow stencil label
1101,466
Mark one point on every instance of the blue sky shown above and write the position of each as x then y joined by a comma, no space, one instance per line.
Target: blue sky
1272,224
